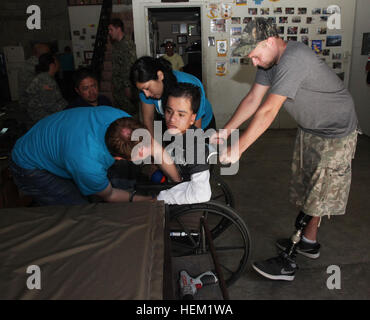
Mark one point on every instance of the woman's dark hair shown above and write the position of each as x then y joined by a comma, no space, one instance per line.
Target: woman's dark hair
145,69
44,61
188,91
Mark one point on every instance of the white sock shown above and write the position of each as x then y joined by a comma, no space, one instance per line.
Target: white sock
308,240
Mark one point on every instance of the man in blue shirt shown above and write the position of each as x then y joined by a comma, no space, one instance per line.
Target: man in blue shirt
65,157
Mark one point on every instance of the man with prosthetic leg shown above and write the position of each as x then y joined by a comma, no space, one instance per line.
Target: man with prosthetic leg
285,264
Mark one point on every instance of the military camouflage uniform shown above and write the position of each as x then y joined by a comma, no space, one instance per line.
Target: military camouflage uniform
44,97
123,57
322,173
25,76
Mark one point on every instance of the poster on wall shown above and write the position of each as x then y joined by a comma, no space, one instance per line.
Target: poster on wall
317,46
334,41
221,47
221,68
226,11
213,11
241,2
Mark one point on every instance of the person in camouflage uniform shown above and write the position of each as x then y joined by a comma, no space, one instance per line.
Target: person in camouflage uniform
291,75
43,94
27,72
123,57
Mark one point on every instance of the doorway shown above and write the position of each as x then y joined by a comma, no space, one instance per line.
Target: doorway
182,26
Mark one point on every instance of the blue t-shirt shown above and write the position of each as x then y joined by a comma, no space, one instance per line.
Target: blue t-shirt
205,109
71,145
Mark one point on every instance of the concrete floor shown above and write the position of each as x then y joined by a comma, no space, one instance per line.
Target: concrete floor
261,192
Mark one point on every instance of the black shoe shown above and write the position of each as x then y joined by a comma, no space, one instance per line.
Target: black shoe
279,268
310,250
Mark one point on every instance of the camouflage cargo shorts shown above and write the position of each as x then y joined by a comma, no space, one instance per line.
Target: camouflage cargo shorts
321,173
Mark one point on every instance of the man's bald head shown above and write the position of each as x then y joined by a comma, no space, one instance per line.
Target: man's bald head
40,49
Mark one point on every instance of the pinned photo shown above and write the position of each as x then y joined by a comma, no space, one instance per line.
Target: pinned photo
218,25
278,10
322,30
317,46
212,11
241,2
283,19
234,42
337,65
303,31
264,11
326,52
252,11
302,10
304,40
247,20
316,11
221,46
334,41
245,61
336,56
234,61
324,18
280,29
226,11
289,10
271,20
211,41
292,30
235,20
236,31
296,19
310,20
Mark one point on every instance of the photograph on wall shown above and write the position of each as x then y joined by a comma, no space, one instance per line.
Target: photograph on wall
271,20
218,25
241,2
283,19
234,61
326,52
310,20
264,11
226,10
316,11
304,40
278,10
323,18
252,11
280,29
321,30
183,28
302,10
235,20
221,47
292,30
212,11
296,19
235,31
211,42
336,56
289,10
182,39
303,31
292,38
247,20
221,68
334,41
317,46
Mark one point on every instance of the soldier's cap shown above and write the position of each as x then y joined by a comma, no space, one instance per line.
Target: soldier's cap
256,30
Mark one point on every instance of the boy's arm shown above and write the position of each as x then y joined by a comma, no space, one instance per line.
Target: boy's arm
197,190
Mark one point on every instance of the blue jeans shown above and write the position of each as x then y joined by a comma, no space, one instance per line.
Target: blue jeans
47,189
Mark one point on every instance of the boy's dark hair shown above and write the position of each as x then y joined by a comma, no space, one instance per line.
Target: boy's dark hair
117,23
45,60
118,137
189,91
81,74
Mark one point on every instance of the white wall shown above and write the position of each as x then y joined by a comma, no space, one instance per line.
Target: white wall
226,92
357,84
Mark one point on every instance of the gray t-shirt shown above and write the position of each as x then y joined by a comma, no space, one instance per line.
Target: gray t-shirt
317,98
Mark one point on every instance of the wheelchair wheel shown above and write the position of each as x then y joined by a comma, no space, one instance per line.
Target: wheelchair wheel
221,191
229,234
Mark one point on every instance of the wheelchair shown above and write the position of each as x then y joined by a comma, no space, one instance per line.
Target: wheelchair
212,227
